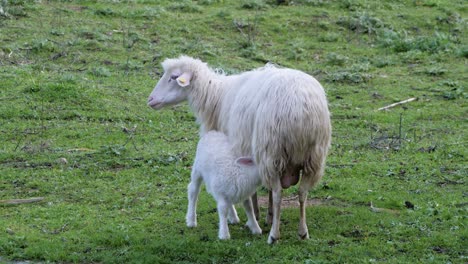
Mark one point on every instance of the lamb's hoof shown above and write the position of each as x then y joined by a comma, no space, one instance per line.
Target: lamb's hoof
272,240
191,224
224,237
255,231
304,236
234,221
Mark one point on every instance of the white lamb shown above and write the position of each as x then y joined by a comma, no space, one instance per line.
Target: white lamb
279,116
228,179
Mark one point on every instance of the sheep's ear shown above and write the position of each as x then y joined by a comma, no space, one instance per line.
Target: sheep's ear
246,161
184,79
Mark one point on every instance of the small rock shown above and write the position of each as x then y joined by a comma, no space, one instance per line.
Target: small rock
62,161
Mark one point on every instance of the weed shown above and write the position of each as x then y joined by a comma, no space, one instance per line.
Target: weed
348,77
10,9
186,6
336,59
455,93
207,2
253,4
351,5
401,42
450,18
435,71
150,12
462,51
42,45
223,14
311,2
329,37
101,72
382,62
428,3
249,32
297,50
104,12
361,22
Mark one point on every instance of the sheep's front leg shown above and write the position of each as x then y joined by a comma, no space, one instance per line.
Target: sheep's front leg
275,232
223,209
251,220
193,190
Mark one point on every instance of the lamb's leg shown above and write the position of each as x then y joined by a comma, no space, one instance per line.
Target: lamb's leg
223,209
251,220
193,191
232,215
276,197
255,206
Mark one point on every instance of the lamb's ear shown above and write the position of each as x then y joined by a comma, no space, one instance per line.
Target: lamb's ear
245,161
184,79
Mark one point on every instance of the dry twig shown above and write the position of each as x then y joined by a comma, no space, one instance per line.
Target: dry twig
398,103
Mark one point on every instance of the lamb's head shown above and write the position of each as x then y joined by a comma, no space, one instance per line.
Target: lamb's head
174,85
248,167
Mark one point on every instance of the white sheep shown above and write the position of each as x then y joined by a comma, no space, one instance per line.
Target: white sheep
227,179
279,116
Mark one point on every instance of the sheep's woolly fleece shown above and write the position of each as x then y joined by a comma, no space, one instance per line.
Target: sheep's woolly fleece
278,115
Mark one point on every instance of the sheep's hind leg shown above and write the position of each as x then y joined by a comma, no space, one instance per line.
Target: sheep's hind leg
303,231
275,232
269,216
255,206
193,190
252,223
311,174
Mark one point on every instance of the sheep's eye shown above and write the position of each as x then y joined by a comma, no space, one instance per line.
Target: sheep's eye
173,77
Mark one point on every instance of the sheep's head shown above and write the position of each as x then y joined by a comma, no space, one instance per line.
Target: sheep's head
171,89
176,82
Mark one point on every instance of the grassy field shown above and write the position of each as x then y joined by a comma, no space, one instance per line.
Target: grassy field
75,129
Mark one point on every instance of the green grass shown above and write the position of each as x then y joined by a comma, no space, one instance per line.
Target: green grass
75,129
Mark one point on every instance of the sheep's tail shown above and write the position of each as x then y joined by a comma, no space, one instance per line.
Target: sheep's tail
314,166
271,170
306,152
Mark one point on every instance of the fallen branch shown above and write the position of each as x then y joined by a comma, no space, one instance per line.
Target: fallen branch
399,103
22,201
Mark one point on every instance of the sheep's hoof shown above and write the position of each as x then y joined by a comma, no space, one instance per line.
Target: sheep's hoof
272,240
304,236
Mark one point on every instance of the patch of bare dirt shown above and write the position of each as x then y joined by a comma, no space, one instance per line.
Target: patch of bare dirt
289,202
